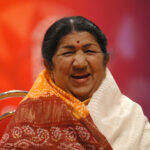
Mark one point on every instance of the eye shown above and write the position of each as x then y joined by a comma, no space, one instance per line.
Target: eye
90,51
68,53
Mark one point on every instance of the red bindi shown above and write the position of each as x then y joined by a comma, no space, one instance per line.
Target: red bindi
78,42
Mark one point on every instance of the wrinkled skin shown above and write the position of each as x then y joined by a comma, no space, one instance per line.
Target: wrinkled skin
78,66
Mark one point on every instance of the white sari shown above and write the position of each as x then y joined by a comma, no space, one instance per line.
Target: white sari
120,119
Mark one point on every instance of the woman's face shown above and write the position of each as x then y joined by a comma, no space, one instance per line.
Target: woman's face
78,65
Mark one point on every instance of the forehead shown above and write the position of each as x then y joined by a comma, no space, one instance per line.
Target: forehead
75,38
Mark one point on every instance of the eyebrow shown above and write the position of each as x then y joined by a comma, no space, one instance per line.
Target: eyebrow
69,47
74,47
89,44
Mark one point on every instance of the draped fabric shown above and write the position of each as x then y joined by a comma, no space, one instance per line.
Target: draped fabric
50,118
120,119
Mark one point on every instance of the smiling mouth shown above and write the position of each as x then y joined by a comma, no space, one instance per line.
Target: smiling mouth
80,76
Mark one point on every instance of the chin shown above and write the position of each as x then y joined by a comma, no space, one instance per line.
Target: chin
81,95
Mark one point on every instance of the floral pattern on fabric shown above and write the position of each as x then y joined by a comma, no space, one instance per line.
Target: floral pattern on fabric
50,118
66,138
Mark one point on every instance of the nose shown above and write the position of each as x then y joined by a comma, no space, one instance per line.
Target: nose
80,61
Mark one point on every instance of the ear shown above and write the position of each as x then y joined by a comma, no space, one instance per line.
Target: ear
48,66
50,70
106,60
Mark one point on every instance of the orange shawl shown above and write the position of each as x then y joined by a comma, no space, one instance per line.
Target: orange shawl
50,118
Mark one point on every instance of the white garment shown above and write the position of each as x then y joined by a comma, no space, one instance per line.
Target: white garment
120,119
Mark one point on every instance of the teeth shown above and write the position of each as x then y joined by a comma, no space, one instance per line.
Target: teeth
80,77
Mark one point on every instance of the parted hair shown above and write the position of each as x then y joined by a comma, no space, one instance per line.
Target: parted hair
65,26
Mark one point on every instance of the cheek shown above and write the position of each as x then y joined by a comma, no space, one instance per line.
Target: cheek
98,71
96,65
61,73
62,66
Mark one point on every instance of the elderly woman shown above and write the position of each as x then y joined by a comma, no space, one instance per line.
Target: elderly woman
75,103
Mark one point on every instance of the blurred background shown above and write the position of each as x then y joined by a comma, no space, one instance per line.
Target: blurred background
126,24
